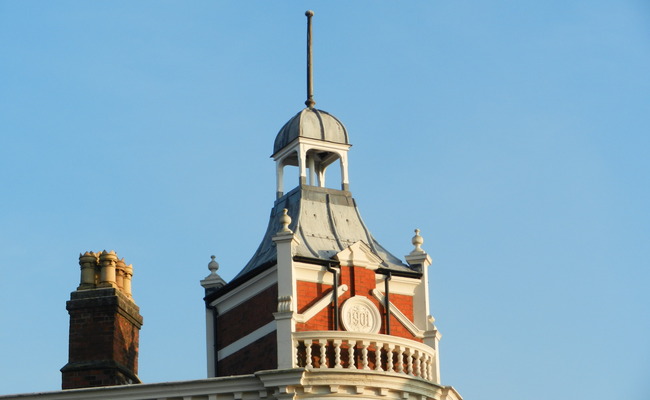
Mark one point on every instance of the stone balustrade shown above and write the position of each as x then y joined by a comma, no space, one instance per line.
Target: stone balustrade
363,351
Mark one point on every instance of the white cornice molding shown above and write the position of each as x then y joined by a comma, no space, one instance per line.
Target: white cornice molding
310,143
187,389
295,383
313,273
399,284
370,385
408,324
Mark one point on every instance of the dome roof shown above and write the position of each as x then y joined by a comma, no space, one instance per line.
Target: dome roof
314,124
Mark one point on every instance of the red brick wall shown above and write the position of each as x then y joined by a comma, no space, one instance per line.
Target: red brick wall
405,304
258,356
309,293
250,315
91,334
242,320
361,282
95,377
126,343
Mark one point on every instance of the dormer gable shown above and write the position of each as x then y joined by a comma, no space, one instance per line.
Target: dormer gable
359,255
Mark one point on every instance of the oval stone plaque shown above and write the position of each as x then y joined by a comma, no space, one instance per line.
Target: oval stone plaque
359,314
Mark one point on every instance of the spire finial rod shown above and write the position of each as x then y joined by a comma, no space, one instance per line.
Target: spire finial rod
310,70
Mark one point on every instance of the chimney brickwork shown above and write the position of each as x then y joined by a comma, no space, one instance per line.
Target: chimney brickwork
104,325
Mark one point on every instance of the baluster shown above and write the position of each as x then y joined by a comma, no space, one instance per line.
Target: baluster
400,359
308,344
409,362
296,345
337,354
428,368
389,357
424,366
418,368
323,358
364,353
351,362
377,357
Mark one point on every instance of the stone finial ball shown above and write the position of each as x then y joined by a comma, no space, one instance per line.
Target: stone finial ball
309,13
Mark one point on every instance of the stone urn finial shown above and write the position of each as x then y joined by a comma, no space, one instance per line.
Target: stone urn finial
213,266
417,242
285,220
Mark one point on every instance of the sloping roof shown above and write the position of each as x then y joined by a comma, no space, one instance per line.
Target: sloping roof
325,221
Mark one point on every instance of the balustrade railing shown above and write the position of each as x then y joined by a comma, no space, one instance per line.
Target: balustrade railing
347,350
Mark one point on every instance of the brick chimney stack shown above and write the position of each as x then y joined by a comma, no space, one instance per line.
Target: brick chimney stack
104,325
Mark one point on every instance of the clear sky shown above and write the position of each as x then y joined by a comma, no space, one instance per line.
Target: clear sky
514,134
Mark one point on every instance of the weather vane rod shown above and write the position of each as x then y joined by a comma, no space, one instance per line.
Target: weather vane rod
310,70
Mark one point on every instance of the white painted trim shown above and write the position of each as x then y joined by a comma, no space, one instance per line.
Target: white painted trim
358,254
246,290
320,304
246,340
417,332
287,383
309,144
313,273
222,387
398,284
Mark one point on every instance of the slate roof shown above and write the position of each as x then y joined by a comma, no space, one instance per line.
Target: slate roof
325,222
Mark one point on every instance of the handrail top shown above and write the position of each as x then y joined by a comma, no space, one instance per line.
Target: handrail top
367,337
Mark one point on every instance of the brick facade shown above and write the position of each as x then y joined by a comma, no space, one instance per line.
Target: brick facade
104,339
242,320
360,281
258,356
248,316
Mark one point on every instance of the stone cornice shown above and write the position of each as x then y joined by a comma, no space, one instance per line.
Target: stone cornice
295,383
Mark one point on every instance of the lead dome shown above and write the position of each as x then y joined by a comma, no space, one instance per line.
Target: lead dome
314,124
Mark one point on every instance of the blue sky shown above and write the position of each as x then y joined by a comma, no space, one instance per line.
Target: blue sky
515,135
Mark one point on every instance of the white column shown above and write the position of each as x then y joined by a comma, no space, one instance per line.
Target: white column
302,168
321,176
279,176
345,184
312,171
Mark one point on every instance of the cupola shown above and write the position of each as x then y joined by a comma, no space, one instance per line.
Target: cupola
311,140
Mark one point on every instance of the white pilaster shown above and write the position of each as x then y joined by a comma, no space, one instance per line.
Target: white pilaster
432,339
419,259
209,341
287,299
